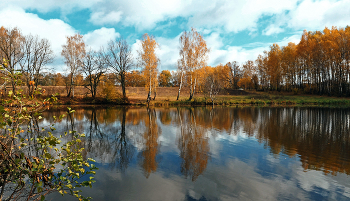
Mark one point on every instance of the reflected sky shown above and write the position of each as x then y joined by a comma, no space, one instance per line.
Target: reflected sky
218,153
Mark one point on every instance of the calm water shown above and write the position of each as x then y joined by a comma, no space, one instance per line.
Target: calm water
215,154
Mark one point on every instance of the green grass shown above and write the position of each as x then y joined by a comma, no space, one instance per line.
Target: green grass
262,100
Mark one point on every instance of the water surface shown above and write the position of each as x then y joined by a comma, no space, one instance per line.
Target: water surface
220,153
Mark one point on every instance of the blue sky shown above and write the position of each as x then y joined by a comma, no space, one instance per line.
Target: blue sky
234,30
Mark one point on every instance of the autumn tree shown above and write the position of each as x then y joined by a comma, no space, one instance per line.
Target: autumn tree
289,64
59,79
223,74
151,134
249,70
261,63
149,61
37,54
193,56
119,59
11,54
94,66
47,79
202,74
175,78
135,78
318,64
193,145
274,66
164,78
234,74
73,52
213,84
79,78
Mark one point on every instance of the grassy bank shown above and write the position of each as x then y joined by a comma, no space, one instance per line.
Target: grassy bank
166,96
253,99
261,100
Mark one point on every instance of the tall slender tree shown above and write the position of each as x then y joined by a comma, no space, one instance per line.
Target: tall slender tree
73,52
149,61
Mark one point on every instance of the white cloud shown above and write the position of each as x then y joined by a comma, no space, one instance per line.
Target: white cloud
54,30
232,16
168,52
44,6
272,29
323,13
141,14
100,37
135,47
100,18
239,15
208,14
294,39
214,40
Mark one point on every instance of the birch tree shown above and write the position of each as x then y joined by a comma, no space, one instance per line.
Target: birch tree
149,61
73,53
193,56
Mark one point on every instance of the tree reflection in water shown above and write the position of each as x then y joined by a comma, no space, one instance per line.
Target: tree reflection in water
148,156
109,142
319,137
193,145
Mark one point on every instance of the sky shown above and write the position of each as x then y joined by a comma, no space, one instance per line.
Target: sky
237,30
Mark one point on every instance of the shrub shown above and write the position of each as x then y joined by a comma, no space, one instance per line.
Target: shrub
32,175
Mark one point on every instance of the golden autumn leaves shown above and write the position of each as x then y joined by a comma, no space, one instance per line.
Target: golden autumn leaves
193,56
149,60
318,64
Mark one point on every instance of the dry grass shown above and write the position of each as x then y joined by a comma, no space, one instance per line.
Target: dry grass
167,96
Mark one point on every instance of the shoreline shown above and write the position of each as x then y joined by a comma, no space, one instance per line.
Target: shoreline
253,100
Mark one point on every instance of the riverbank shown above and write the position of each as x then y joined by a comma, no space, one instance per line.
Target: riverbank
253,98
166,96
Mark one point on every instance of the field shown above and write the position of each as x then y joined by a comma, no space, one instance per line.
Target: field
167,96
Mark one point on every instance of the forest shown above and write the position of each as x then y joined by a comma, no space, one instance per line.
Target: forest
319,64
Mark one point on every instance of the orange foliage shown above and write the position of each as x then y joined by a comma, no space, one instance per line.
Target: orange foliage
149,61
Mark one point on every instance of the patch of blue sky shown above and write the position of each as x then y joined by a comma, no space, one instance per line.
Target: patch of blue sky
169,28
53,14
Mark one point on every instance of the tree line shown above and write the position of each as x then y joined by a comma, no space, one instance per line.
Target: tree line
318,64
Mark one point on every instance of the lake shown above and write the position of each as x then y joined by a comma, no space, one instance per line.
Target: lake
220,153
